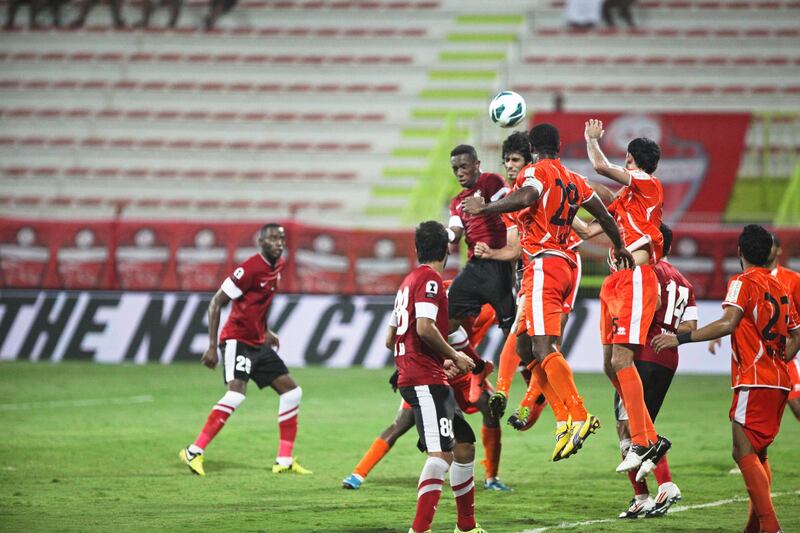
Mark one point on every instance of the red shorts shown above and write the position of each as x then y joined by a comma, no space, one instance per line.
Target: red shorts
548,285
794,373
759,412
628,303
460,387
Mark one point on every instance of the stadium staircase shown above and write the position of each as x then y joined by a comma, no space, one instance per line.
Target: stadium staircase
340,112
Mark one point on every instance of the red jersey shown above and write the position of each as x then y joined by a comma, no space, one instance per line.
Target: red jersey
759,341
637,210
677,305
791,281
547,226
489,228
252,287
421,294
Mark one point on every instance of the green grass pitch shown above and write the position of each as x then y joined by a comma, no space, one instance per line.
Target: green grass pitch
78,455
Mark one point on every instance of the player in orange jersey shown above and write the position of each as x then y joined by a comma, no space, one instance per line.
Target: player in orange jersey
629,298
790,280
765,334
552,195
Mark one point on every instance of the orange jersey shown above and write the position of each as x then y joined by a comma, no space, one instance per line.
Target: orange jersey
759,341
547,225
791,281
637,210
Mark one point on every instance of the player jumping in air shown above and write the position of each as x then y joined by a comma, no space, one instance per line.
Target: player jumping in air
249,351
765,334
421,351
677,314
552,195
628,298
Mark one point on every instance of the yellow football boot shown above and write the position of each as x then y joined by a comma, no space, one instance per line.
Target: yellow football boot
193,461
562,438
293,468
578,434
476,529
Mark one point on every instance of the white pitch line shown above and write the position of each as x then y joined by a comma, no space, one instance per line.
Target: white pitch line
127,400
676,509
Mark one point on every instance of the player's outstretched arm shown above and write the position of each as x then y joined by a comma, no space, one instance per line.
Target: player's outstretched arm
686,326
605,194
519,199
719,328
211,357
593,133
510,252
596,208
391,331
429,333
585,230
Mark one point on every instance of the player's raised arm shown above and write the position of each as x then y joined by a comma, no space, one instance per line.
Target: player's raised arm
596,208
715,330
593,133
586,230
429,333
519,199
211,357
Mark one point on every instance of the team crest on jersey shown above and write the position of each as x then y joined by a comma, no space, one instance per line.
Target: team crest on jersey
431,289
238,273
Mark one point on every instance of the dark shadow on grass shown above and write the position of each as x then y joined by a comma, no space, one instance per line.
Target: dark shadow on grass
221,466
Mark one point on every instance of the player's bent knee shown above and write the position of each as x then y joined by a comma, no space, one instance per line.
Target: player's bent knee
291,398
464,452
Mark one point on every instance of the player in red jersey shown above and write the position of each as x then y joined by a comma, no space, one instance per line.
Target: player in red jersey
481,281
468,401
628,298
552,195
765,334
250,351
677,314
420,350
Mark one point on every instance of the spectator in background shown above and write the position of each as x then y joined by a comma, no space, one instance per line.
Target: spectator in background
114,5
148,6
582,14
33,13
217,8
623,7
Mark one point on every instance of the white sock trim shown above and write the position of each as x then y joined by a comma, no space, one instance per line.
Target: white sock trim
624,446
461,473
433,472
289,404
230,402
459,338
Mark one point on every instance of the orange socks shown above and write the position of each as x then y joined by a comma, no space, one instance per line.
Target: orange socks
376,451
540,378
630,384
757,482
559,375
491,449
509,361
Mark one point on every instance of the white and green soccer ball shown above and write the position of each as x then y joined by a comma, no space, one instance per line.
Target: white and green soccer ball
507,109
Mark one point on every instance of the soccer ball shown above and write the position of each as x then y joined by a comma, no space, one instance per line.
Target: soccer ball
507,109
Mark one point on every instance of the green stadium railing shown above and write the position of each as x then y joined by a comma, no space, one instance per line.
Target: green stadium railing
788,213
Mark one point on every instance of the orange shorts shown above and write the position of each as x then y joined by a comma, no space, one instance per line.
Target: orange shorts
759,412
794,372
548,285
628,303
569,303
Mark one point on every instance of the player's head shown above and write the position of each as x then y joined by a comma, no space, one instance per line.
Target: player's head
516,153
272,241
644,153
431,241
666,232
545,141
755,245
775,252
466,165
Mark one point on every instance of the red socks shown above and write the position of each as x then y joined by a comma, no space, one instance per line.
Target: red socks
461,479
428,492
217,418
